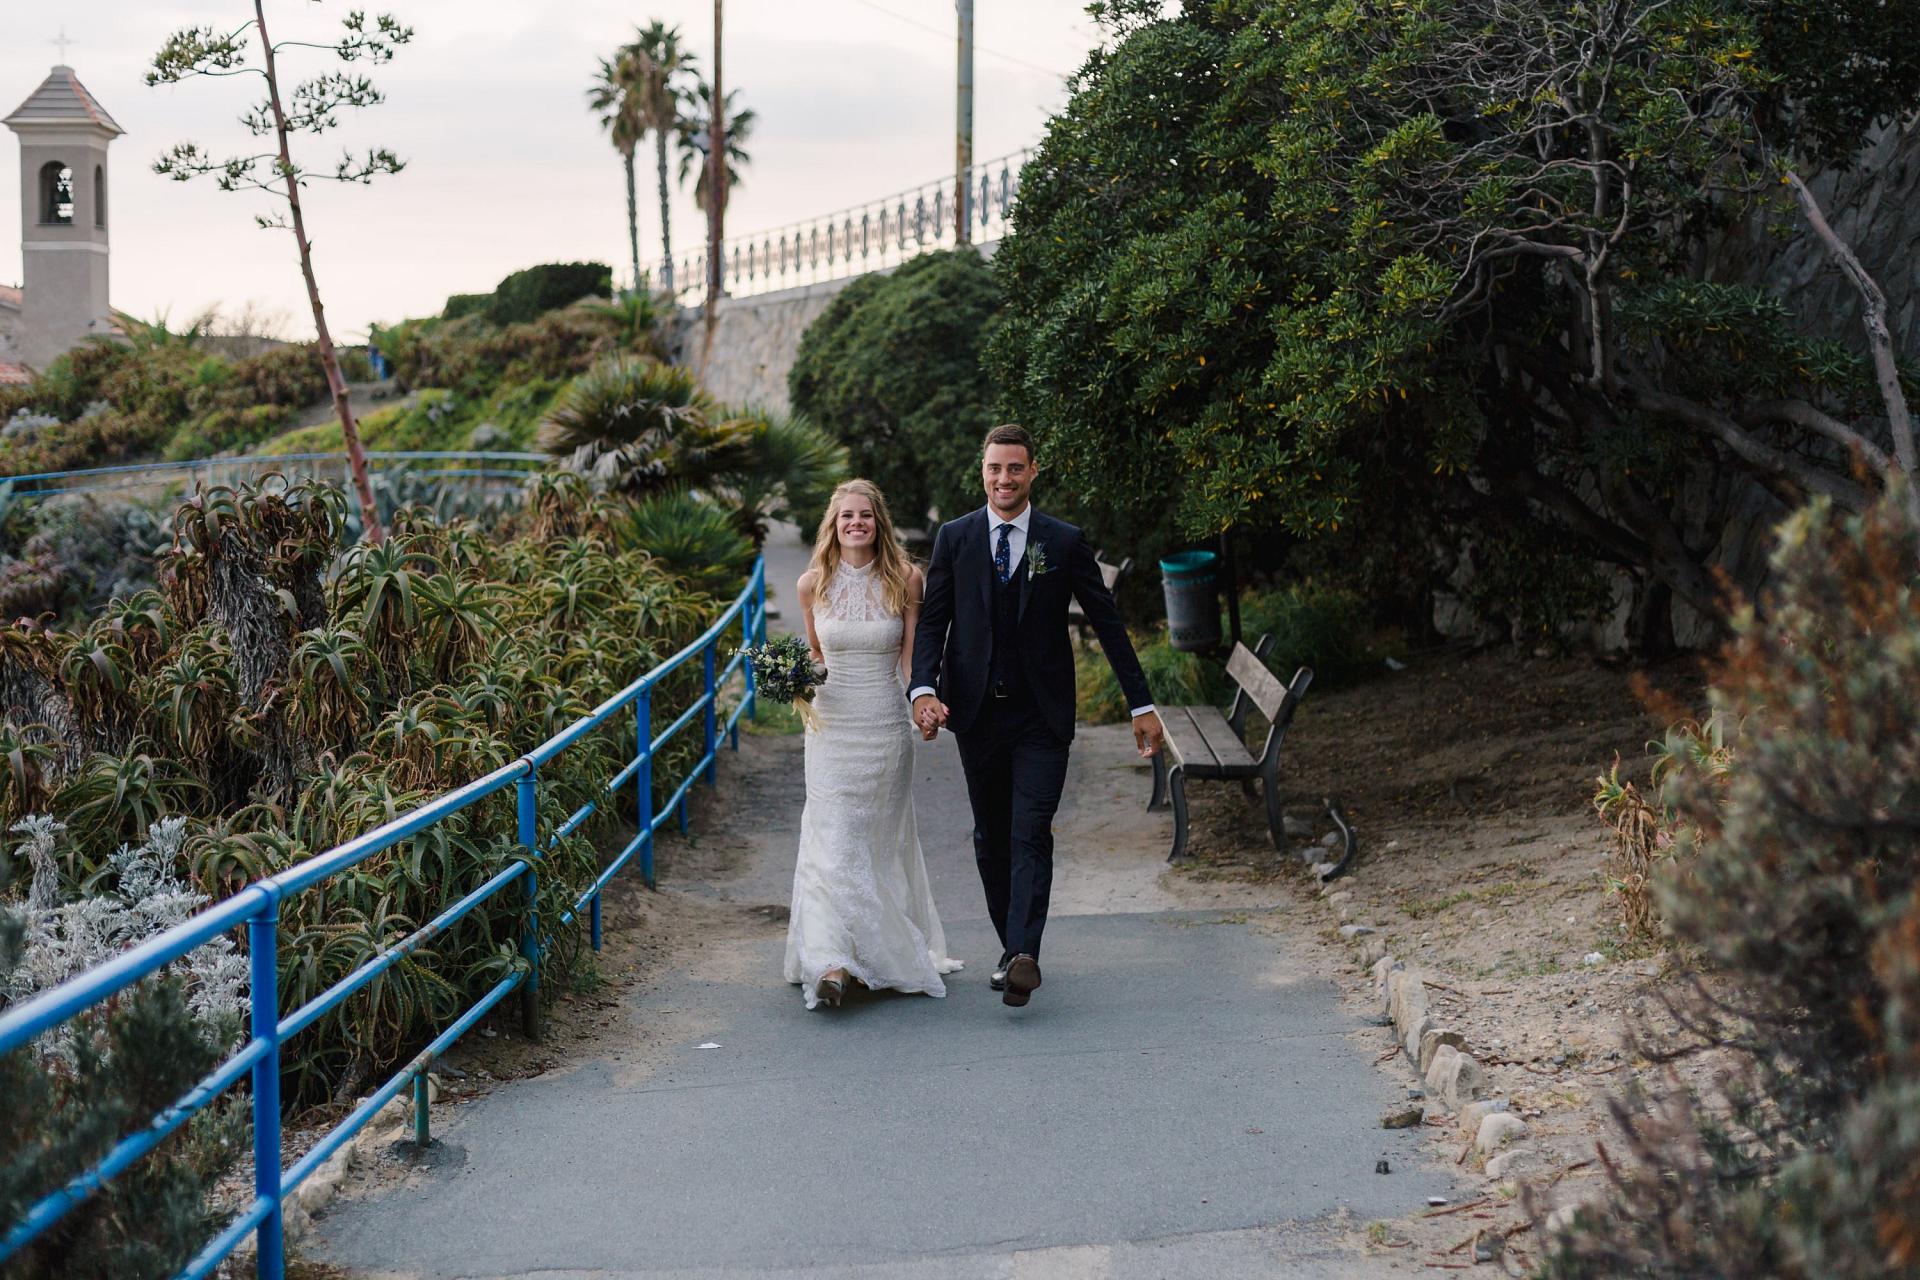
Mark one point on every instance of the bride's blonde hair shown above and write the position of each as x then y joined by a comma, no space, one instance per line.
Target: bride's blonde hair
890,561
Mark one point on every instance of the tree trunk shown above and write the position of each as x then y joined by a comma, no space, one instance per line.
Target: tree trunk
1653,628
716,195
336,381
666,224
633,220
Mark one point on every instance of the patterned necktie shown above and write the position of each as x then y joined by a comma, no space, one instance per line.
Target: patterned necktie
1003,556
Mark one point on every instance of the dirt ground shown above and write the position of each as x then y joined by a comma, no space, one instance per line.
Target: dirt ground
1469,779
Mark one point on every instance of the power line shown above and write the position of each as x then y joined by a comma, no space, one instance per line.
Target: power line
948,35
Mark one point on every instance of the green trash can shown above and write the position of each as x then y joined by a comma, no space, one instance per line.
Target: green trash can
1190,580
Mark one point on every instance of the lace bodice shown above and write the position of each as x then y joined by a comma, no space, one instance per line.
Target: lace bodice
853,594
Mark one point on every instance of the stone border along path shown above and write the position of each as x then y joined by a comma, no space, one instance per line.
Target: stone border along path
1453,1085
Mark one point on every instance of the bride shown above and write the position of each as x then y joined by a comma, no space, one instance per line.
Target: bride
862,908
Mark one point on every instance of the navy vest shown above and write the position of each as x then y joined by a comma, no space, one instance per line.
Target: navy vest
1006,669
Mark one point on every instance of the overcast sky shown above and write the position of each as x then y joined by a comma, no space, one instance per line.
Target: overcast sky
505,165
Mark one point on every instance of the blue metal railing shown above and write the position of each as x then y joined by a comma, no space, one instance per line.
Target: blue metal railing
258,908
135,475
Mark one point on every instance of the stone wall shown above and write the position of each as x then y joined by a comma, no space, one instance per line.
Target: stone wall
755,341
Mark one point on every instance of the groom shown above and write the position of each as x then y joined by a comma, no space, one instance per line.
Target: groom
992,662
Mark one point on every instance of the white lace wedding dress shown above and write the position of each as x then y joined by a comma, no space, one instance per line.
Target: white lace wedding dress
861,901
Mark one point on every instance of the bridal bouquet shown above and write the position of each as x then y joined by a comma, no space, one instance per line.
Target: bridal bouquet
784,670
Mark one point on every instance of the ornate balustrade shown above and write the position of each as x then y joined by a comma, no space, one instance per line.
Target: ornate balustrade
881,233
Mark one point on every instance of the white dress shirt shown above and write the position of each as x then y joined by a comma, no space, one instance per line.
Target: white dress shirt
1016,550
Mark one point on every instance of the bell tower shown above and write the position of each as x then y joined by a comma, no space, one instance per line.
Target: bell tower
64,216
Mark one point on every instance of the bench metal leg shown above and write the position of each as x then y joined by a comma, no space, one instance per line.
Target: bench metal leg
1159,796
1276,820
1177,780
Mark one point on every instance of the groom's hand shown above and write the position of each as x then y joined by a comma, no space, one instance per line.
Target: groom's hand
929,713
1149,734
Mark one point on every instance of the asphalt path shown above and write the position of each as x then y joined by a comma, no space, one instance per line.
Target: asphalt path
1181,1099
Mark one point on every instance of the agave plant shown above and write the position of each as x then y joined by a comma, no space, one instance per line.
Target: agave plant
25,757
637,426
96,674
456,615
381,580
194,697
112,800
139,623
333,679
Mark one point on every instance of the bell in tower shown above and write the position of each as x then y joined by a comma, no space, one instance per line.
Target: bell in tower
64,135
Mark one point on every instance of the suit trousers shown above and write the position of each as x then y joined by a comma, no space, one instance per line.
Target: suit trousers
1016,768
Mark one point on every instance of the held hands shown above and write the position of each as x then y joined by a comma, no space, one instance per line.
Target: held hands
1149,735
929,713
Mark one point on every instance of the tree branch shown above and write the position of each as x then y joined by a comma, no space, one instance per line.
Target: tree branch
1743,445
1874,316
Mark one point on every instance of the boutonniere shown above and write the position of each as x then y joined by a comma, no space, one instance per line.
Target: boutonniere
1037,559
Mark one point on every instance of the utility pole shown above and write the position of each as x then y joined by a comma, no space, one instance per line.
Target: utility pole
716,195
963,130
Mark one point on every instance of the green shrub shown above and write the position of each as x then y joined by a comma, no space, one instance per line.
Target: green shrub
1796,876
465,304
1175,678
1311,625
60,1115
692,539
224,431
527,295
892,368
475,357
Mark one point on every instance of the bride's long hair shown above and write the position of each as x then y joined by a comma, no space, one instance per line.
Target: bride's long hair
889,559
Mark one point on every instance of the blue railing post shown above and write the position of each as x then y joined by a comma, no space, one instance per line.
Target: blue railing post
746,668
643,786
760,602
593,920
528,807
263,952
422,1126
712,716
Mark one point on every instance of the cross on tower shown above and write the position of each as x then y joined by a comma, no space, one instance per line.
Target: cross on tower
61,42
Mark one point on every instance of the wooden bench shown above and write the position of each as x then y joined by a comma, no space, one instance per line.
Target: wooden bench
1109,574
1204,742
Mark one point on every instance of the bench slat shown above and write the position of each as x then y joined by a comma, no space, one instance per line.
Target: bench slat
1222,741
1261,685
1205,743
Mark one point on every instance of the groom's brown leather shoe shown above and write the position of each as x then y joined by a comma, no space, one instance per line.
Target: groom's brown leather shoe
1023,977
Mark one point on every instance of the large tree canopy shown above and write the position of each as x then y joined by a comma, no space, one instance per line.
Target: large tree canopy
1277,260
892,369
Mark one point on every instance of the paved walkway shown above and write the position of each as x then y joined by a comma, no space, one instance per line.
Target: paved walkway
1180,1099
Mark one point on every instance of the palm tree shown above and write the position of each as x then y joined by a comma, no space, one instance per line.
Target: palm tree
664,64
615,97
637,426
694,132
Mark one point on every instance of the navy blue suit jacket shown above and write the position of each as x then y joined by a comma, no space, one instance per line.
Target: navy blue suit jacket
953,647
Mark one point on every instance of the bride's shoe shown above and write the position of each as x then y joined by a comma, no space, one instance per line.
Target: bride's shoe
831,989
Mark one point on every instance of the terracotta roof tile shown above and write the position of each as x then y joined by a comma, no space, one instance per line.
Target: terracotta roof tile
12,295
62,99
